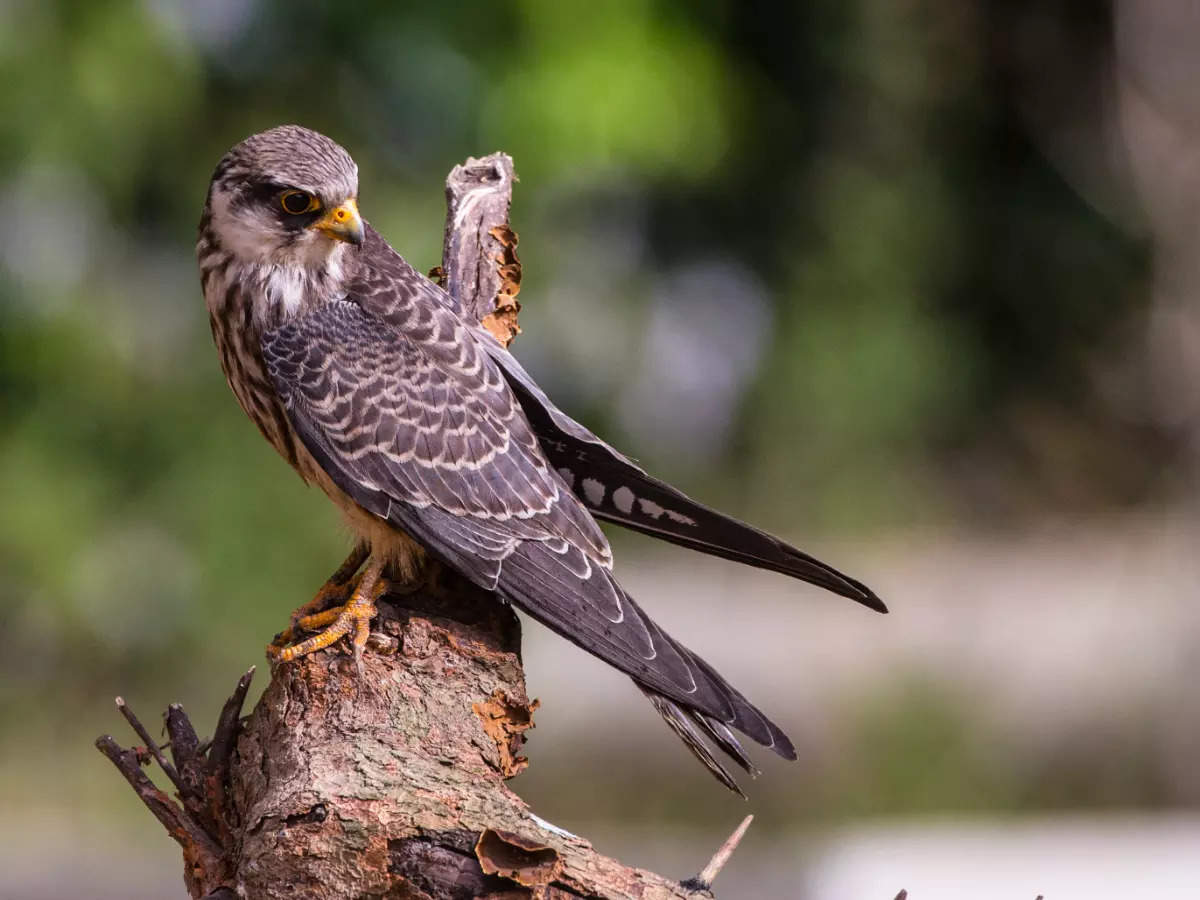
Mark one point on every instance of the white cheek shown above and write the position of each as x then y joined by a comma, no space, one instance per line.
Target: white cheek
244,232
310,248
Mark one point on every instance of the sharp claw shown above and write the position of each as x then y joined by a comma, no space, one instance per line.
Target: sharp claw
353,619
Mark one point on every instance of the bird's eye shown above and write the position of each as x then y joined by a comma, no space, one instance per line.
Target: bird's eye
297,203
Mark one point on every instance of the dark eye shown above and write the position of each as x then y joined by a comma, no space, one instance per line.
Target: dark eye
297,203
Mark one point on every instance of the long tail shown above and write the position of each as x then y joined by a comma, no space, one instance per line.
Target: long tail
584,603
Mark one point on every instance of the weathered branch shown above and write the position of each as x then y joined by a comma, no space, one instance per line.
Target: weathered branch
391,785
480,269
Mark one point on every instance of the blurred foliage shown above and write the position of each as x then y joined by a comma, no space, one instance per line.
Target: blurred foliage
931,297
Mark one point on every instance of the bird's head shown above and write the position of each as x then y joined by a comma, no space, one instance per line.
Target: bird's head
288,197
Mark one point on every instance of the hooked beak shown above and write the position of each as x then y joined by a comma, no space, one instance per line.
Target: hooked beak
342,223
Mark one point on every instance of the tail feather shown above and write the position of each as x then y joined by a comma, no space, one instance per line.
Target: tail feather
586,605
692,728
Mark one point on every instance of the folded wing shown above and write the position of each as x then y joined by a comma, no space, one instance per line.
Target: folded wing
427,434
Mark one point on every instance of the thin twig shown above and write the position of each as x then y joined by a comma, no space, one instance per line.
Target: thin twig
142,733
185,751
704,881
185,744
178,824
227,727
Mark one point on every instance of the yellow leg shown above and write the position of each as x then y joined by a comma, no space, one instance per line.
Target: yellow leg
355,617
333,594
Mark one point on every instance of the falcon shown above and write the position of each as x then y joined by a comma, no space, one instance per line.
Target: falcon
438,446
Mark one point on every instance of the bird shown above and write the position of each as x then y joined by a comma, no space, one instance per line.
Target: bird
438,446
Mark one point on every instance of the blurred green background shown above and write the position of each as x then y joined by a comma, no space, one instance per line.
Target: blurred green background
911,284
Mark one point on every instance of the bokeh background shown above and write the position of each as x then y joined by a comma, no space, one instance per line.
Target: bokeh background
913,284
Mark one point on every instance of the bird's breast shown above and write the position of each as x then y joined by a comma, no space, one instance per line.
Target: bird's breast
237,337
238,341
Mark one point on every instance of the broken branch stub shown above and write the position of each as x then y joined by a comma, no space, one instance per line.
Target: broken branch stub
480,268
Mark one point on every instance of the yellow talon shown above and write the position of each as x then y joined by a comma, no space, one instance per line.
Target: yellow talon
319,620
334,594
353,618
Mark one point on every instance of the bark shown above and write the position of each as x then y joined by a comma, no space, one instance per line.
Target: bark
390,785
